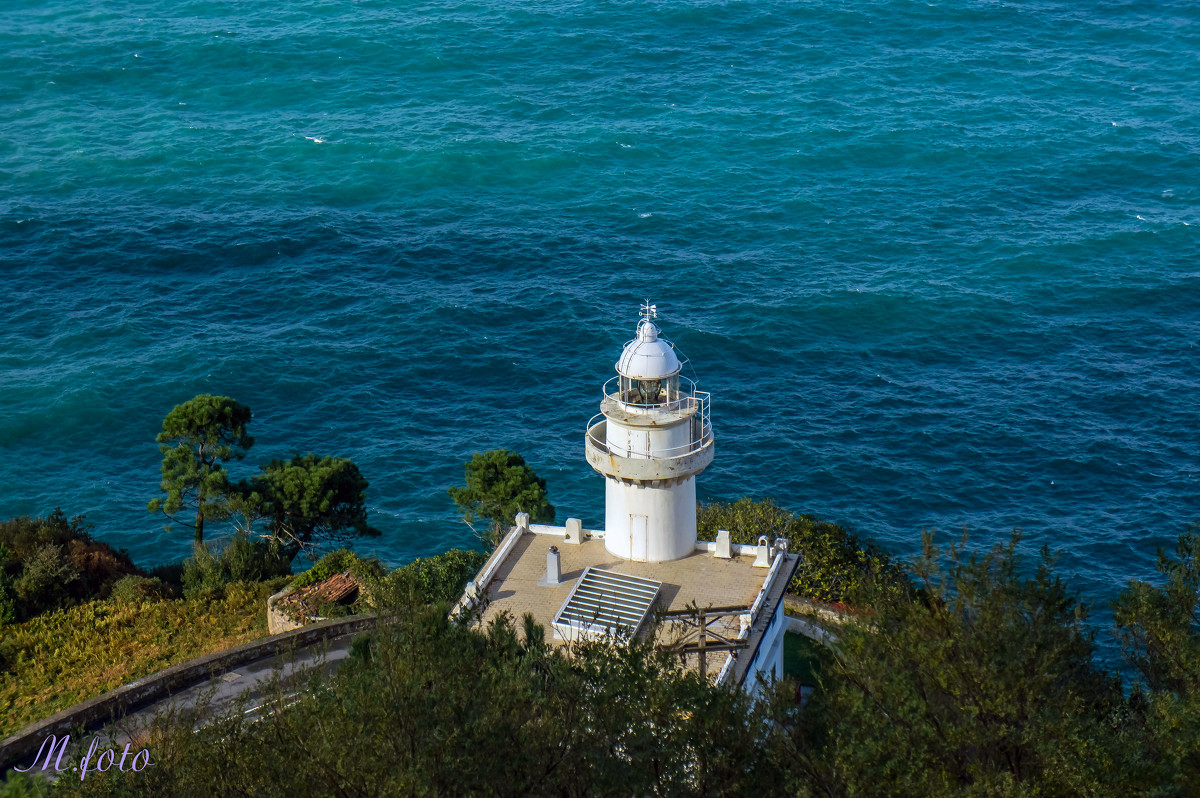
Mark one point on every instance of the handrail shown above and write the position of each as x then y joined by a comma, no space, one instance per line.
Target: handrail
489,569
685,396
766,587
674,452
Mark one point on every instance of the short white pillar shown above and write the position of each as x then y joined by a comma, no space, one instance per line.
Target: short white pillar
574,530
762,554
724,546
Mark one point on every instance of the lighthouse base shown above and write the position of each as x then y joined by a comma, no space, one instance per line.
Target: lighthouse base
650,524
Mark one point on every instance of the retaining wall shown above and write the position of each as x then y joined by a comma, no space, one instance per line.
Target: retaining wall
157,686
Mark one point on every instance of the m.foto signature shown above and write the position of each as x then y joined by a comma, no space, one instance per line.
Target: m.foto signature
106,759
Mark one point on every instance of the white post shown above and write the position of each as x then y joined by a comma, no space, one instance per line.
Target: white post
574,530
553,575
724,546
762,556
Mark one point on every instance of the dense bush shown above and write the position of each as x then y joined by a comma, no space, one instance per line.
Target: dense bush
835,565
134,589
23,785
423,581
983,682
979,677
8,599
365,569
243,559
434,579
53,562
470,713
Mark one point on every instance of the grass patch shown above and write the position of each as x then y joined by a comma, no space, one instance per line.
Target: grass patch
66,656
801,658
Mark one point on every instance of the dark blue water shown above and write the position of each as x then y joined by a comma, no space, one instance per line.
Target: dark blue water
939,264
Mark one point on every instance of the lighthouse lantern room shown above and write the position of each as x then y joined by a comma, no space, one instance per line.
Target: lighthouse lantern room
651,438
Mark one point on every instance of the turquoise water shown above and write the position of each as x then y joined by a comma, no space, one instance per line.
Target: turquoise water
938,263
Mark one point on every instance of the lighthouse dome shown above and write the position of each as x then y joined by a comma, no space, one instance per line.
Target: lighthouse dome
648,357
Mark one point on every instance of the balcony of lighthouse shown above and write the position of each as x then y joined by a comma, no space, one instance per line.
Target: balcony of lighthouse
666,438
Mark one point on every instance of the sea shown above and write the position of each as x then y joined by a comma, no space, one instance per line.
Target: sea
938,263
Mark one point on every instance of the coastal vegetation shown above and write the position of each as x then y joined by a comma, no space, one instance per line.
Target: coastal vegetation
423,581
836,566
198,438
52,562
500,485
980,677
99,629
291,504
962,672
68,655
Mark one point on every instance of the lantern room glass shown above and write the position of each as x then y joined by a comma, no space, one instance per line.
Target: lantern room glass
650,392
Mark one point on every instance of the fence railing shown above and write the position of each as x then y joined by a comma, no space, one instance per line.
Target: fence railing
597,433
683,396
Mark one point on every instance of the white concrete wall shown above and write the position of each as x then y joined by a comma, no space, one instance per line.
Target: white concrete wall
670,520
646,442
768,664
645,523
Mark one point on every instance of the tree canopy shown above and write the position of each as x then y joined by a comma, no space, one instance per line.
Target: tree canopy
1159,627
430,707
309,497
198,437
291,503
500,485
982,680
979,677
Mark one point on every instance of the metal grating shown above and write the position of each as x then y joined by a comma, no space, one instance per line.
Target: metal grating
605,603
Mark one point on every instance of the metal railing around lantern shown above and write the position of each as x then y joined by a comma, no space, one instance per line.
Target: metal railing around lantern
698,405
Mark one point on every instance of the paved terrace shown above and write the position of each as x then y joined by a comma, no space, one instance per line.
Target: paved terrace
699,578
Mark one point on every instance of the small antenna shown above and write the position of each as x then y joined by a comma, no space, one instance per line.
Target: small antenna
649,311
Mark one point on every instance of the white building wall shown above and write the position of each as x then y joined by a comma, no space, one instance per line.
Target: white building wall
768,664
650,524
646,442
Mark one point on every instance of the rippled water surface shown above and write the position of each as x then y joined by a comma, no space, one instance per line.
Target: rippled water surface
938,263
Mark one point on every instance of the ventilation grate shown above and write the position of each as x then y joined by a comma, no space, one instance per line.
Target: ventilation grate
605,603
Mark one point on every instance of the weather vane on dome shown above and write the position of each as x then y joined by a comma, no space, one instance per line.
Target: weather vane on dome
649,311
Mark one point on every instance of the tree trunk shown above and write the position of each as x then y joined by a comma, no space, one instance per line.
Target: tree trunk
200,515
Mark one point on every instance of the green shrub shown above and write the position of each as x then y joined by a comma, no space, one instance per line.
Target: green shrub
426,580
53,562
360,648
46,577
23,785
134,589
835,565
24,534
367,570
207,572
433,579
8,599
254,560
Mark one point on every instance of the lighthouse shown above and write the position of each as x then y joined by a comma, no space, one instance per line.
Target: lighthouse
651,438
719,604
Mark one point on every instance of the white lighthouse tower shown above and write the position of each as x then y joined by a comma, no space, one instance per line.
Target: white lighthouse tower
650,440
